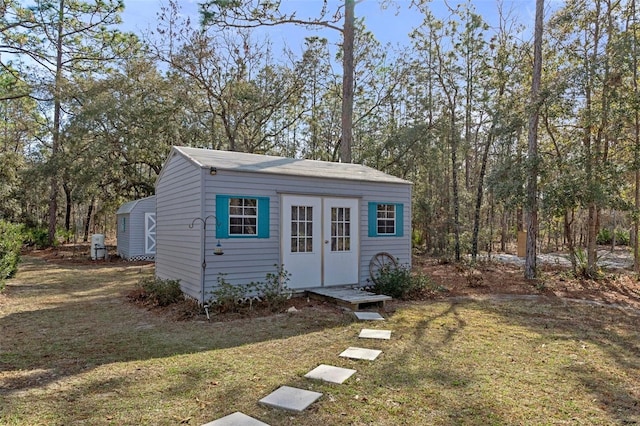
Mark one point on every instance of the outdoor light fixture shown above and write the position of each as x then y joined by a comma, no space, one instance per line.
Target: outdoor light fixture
213,171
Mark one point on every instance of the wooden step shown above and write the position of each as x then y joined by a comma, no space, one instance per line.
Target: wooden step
348,296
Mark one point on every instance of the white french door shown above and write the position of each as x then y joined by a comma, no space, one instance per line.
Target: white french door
340,226
319,240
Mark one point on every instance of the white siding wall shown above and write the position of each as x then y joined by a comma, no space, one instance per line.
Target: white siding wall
399,247
247,260
178,202
137,226
123,236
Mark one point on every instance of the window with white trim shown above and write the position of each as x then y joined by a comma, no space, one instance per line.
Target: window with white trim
243,216
386,219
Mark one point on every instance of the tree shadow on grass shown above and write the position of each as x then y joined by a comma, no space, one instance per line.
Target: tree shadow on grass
69,320
605,343
468,357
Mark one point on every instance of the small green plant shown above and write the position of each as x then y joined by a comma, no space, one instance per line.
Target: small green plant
582,265
400,283
227,297
622,237
274,289
10,244
160,292
604,236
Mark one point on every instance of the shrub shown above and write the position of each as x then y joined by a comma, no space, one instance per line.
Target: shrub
274,290
38,237
400,283
10,244
604,236
228,297
622,237
160,292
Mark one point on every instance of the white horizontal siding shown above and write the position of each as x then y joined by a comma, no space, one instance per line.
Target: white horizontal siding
245,260
122,236
138,225
178,202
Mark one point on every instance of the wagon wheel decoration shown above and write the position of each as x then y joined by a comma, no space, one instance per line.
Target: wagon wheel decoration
380,263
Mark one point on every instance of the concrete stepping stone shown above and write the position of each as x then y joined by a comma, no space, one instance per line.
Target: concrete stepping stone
361,353
369,316
368,333
236,419
292,399
329,373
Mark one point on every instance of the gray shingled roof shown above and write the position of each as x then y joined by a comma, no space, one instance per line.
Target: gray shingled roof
242,162
129,206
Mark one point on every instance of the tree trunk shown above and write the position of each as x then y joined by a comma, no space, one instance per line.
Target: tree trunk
592,233
636,140
479,194
503,231
67,211
348,35
87,222
568,234
530,269
454,184
55,142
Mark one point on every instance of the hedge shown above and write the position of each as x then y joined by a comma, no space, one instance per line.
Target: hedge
10,244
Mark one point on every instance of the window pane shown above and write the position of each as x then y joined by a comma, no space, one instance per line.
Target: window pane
243,216
386,219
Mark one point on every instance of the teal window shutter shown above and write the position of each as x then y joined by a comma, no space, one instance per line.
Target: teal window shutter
399,220
373,230
263,217
222,216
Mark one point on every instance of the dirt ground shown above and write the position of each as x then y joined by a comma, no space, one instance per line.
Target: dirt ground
500,277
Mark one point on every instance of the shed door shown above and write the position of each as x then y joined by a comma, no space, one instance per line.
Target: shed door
149,233
341,243
319,241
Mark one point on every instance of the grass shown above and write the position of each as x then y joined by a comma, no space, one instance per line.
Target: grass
74,351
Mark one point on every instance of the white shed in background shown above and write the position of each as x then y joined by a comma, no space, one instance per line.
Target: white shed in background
136,229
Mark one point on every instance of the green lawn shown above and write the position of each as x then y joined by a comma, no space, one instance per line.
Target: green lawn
74,351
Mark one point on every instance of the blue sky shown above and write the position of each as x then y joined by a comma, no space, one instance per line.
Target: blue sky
390,25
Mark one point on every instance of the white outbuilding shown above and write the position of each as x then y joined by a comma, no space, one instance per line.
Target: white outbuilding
136,230
323,222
